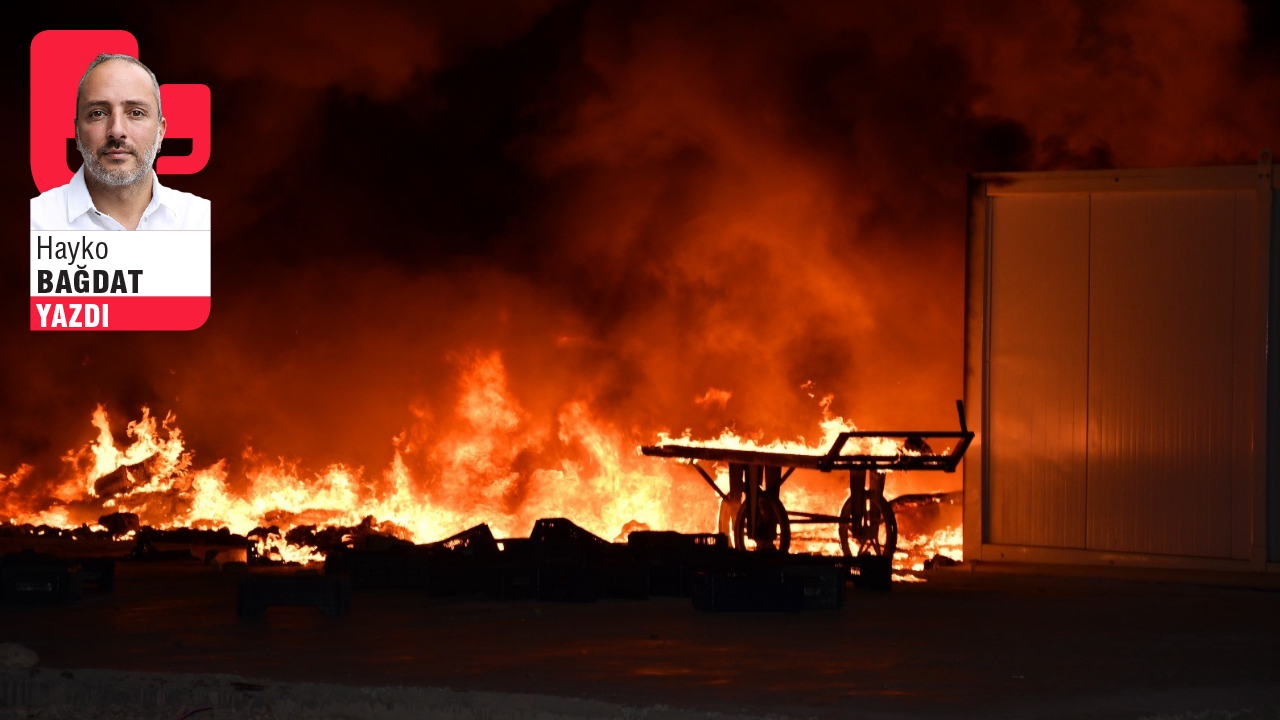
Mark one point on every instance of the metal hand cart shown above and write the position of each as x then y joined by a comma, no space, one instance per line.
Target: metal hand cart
753,516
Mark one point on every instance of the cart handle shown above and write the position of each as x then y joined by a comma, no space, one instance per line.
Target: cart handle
965,436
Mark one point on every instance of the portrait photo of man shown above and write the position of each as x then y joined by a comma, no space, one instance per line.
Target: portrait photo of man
119,126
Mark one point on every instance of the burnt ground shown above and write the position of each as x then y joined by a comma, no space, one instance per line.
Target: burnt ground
961,644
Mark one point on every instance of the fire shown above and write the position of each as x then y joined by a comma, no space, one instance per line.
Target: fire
832,426
491,461
494,464
947,542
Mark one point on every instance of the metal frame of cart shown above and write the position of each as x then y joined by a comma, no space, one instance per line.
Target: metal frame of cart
752,513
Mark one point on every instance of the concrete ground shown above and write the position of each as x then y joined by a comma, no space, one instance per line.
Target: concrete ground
961,644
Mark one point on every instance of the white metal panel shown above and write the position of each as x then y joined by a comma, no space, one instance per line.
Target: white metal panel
1248,375
1161,321
1038,355
1182,465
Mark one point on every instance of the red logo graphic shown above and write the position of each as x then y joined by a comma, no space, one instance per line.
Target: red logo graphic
58,60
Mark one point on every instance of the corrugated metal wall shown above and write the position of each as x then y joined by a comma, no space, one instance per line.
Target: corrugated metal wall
1039,370
1123,369
1161,288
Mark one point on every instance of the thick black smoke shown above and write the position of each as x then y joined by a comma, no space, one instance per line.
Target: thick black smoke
633,202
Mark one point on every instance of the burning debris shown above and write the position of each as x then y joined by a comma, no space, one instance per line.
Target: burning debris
495,469
562,562
558,562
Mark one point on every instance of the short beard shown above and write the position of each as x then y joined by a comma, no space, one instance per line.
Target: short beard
121,177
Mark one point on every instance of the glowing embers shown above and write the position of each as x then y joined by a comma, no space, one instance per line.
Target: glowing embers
943,548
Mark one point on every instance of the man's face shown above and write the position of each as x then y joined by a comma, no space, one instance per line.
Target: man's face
118,124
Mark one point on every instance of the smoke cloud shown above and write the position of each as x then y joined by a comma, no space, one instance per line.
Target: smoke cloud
640,206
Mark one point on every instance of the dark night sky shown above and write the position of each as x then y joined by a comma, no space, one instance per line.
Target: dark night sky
633,202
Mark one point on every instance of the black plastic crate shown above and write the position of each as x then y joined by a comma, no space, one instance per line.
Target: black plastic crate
461,576
873,572
98,574
30,577
569,582
381,569
824,585
512,581
670,580
330,593
760,591
674,559
625,578
557,540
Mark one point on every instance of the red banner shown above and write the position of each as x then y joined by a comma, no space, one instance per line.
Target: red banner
99,312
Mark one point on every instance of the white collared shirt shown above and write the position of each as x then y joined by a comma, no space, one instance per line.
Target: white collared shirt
71,208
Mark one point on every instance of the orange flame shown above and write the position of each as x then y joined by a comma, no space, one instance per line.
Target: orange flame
494,463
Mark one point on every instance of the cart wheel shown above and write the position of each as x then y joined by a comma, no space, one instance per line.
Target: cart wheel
874,533
724,519
773,530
